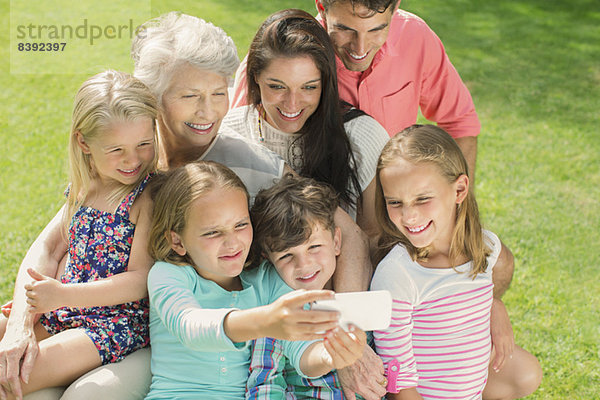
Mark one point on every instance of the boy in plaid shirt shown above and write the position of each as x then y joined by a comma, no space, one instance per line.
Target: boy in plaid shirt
294,229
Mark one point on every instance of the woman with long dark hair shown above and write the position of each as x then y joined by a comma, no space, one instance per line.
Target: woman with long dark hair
294,109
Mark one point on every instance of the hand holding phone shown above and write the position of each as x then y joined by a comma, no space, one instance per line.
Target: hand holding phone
367,310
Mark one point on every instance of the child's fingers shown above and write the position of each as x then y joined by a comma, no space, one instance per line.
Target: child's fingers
301,297
304,331
348,346
35,275
354,344
340,355
323,327
359,335
354,339
317,316
32,303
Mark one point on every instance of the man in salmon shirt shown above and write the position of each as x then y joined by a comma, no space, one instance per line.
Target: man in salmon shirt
390,63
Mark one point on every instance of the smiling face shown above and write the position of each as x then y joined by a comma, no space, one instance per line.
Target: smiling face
311,264
422,203
193,106
290,91
357,33
124,152
217,235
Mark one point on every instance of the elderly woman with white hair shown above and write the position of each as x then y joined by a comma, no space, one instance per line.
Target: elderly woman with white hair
188,64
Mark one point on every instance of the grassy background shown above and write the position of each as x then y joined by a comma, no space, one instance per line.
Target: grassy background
533,68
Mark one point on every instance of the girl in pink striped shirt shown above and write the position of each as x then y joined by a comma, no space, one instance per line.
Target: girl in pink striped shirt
438,266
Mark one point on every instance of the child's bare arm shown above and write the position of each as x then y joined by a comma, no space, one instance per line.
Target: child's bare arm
47,293
283,319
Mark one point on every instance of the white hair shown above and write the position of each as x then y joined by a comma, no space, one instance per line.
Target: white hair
164,43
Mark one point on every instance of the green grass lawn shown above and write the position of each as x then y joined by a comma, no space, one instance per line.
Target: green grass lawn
533,68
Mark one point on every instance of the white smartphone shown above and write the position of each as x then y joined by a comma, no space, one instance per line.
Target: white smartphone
367,310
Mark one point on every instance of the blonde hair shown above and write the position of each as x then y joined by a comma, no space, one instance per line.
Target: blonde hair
102,100
173,193
431,144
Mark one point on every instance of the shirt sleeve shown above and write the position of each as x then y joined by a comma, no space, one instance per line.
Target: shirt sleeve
240,87
266,380
444,97
172,299
367,138
394,344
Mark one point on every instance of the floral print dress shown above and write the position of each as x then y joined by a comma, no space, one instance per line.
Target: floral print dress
99,247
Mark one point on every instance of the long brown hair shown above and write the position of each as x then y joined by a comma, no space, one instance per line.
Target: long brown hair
328,155
431,144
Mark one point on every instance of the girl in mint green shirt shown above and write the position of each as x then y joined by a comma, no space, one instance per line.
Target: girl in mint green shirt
205,308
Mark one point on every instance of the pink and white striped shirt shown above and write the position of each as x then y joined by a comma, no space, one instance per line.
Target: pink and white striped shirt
439,337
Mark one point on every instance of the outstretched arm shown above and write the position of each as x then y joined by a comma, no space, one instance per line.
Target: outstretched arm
18,347
284,319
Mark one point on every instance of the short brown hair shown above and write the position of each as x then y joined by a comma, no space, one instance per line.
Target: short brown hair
284,215
376,6
173,193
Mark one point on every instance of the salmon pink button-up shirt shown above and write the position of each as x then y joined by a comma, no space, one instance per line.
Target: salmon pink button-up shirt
409,71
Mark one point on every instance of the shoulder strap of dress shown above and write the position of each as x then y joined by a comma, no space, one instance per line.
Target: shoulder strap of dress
127,202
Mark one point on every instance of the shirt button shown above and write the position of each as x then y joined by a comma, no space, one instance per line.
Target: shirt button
394,368
222,358
223,370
